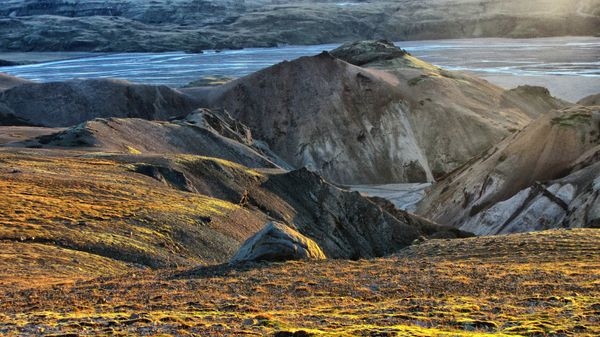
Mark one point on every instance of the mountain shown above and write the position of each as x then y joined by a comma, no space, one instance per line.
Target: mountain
76,101
374,124
545,176
202,132
194,25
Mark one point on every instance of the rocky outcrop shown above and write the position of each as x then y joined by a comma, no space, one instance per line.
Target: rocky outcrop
542,177
76,101
362,52
374,124
278,242
194,25
344,224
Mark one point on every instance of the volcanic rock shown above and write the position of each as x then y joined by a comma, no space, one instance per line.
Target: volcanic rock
278,242
362,52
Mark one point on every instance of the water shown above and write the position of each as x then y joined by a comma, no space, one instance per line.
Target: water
504,60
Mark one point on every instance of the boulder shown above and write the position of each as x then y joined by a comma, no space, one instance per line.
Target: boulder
278,242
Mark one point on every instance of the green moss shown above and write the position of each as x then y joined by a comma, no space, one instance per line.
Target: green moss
572,119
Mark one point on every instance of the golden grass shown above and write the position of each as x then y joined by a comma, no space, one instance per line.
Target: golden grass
98,205
544,284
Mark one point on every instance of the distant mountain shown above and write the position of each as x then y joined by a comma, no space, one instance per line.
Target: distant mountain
76,101
161,25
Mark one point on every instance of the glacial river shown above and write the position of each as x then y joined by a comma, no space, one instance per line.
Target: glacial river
568,66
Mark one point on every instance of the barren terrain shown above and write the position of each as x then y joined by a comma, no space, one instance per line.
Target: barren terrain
539,284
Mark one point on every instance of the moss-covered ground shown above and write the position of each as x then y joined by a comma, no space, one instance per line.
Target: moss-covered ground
540,284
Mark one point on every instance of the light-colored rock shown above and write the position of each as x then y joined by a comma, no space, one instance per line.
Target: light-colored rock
278,242
542,177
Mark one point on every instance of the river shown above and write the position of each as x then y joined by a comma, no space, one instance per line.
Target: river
568,66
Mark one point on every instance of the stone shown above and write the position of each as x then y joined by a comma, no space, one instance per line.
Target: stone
278,242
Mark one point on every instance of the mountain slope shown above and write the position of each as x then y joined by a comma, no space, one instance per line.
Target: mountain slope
202,132
530,181
76,101
374,124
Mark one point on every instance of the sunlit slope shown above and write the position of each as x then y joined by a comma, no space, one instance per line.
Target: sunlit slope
539,284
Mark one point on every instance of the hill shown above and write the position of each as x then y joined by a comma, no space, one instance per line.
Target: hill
76,101
545,176
373,124
194,25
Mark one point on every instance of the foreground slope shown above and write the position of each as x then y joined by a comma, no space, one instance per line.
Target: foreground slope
537,284
74,213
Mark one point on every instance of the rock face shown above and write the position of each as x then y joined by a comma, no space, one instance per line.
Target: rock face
542,177
162,25
344,224
374,124
362,52
76,101
278,242
203,132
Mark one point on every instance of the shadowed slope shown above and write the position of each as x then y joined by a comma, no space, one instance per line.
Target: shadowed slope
72,102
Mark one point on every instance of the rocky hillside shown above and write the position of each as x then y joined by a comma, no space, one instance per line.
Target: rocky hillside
374,123
202,132
194,25
76,101
170,210
545,176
